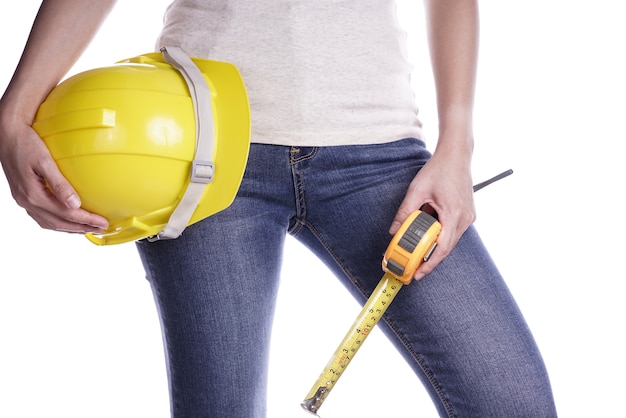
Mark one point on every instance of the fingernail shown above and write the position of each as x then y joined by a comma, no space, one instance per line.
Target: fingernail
102,225
394,227
73,202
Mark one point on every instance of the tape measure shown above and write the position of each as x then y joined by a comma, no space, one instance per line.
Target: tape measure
413,244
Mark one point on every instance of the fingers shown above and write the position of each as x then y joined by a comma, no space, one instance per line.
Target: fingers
76,222
400,217
41,189
50,178
453,227
410,203
444,246
62,189
60,212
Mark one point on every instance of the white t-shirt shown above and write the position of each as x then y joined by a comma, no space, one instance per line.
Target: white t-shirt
318,73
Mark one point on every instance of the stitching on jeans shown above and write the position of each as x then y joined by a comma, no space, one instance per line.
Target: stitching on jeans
300,218
298,185
305,224
298,189
295,150
420,361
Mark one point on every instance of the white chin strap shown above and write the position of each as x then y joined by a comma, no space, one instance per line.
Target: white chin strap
202,169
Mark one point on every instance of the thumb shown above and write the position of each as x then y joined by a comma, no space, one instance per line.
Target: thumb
403,212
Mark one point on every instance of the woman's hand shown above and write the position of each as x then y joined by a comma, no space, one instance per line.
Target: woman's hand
443,186
38,186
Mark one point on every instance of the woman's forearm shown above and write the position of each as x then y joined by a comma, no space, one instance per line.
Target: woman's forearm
453,35
60,33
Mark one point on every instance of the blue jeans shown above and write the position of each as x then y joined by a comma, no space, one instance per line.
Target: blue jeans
215,287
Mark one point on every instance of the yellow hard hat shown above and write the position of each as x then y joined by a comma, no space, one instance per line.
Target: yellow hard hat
153,143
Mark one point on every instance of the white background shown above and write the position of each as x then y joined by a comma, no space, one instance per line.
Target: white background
79,335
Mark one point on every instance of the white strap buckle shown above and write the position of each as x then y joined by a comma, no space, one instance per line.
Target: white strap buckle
203,169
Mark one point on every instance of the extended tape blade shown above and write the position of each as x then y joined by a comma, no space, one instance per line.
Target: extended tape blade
372,312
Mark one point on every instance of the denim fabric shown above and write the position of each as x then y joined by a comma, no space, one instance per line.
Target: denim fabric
458,328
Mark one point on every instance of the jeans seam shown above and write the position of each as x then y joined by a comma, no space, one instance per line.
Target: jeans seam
422,364
298,185
334,256
294,150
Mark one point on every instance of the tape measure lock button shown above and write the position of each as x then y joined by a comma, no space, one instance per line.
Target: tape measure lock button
430,252
395,268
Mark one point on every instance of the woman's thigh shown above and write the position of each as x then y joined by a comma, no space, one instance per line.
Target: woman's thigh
215,288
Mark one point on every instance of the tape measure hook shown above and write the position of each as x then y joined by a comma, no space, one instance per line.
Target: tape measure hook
313,404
